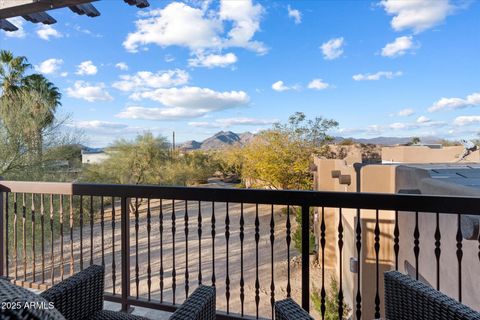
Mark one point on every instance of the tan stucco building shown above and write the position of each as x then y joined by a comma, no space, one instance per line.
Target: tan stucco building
405,169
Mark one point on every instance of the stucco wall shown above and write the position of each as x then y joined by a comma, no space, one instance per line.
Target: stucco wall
448,228
424,154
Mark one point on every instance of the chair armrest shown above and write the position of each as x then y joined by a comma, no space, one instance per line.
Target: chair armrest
289,310
407,298
199,306
79,296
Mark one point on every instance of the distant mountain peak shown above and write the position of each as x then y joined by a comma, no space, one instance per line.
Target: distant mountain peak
219,140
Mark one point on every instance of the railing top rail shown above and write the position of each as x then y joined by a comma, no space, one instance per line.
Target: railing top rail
381,201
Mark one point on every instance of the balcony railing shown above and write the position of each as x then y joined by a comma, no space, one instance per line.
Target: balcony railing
159,243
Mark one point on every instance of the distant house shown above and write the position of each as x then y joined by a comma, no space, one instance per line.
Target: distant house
94,156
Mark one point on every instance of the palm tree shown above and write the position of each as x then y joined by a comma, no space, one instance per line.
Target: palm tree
30,100
12,70
40,99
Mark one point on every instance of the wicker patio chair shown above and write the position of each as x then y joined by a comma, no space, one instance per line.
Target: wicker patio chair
13,300
289,310
81,297
408,299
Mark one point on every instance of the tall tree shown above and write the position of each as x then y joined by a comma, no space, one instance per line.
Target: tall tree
41,99
12,70
280,158
33,97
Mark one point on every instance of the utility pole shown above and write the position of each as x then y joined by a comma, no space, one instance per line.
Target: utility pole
173,144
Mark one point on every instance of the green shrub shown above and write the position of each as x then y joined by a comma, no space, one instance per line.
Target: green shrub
331,302
297,233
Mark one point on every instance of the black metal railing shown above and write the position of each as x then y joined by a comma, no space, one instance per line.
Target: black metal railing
239,240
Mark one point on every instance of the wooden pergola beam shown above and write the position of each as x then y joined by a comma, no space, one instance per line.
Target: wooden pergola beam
15,8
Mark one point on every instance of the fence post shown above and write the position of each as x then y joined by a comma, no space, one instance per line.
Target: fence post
306,258
125,244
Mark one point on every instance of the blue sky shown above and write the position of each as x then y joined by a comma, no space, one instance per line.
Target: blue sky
391,68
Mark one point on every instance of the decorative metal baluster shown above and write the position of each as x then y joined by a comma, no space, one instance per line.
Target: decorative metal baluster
340,248
396,240
213,243
7,264
459,239
185,218
377,270
91,230
52,255
438,251
81,232
416,242
24,236
199,242
161,249
149,268
227,238
72,259
33,238
323,293
242,282
62,260
102,227
15,240
42,229
114,267
137,276
257,239
358,231
272,241
289,240
174,273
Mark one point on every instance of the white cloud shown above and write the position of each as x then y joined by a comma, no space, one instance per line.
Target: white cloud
213,60
332,49
228,122
64,74
423,119
398,47
122,66
417,15
466,120
456,103
100,125
246,22
179,24
280,86
318,84
45,32
376,76
86,68
17,22
405,112
144,80
49,66
295,14
185,102
86,91
169,58
422,122
373,129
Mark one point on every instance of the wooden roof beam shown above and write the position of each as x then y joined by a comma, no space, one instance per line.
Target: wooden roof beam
15,8
7,26
138,3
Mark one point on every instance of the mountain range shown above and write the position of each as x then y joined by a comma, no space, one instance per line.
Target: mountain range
224,139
